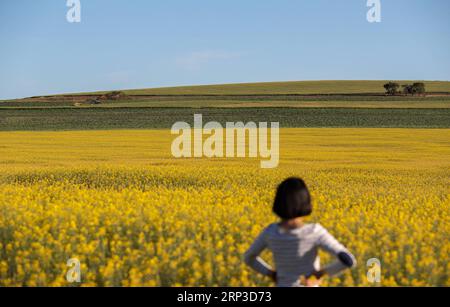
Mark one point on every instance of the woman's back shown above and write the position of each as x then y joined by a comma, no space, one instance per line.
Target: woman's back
295,252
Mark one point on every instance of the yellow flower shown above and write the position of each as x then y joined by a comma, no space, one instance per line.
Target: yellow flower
156,221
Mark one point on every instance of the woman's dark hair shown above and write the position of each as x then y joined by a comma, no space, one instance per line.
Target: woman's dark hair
292,199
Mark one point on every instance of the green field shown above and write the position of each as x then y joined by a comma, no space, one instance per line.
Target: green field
335,101
161,118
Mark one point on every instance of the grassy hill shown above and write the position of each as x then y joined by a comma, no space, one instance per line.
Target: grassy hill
280,88
299,94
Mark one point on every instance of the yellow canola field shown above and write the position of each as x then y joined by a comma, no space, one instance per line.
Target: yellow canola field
134,216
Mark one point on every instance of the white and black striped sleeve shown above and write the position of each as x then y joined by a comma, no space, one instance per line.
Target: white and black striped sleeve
345,259
252,258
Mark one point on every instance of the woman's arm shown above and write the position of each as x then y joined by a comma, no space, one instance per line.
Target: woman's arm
253,260
345,260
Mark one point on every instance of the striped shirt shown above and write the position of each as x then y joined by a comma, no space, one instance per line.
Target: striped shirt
295,253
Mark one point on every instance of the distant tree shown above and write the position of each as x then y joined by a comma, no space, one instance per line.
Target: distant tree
418,88
407,89
391,88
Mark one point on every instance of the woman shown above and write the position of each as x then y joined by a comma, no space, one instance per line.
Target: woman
294,243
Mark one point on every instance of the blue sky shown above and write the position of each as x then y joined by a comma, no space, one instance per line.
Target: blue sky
138,44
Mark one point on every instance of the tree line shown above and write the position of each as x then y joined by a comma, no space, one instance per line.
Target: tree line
393,88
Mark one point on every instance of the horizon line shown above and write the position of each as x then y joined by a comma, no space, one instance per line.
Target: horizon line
215,84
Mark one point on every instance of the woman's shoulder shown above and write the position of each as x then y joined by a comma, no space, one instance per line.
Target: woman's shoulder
310,228
315,228
307,229
272,228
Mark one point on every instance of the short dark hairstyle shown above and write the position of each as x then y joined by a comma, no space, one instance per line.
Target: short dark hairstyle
292,199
